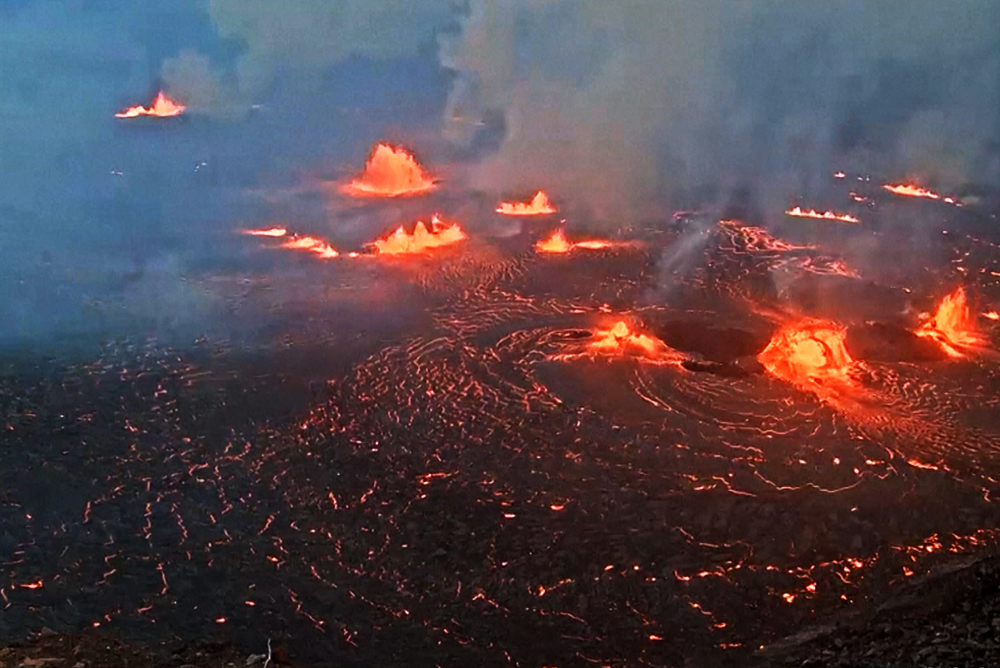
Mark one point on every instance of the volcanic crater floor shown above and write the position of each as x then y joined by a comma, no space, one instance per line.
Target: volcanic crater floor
458,476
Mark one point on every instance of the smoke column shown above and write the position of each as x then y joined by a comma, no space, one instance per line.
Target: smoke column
632,104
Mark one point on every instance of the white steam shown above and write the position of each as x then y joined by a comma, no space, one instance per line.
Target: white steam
625,103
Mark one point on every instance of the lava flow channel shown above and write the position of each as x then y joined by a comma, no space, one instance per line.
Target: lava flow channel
558,243
538,206
162,107
953,326
390,172
421,239
799,212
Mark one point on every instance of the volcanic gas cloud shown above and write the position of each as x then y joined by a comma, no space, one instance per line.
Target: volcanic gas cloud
162,107
390,172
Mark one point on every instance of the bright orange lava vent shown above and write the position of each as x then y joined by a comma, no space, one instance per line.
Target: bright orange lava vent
799,212
312,245
390,172
811,356
163,107
558,243
539,206
910,190
421,239
620,338
953,326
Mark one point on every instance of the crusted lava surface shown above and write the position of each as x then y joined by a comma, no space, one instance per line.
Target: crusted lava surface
423,461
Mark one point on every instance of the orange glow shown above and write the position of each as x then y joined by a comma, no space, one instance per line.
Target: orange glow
163,107
558,243
539,206
799,212
812,356
390,172
992,315
274,232
312,245
910,190
31,585
620,339
953,325
839,175
421,240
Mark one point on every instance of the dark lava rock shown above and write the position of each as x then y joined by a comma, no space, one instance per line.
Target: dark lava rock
725,370
716,344
887,342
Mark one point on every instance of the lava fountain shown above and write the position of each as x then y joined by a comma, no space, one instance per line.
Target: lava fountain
390,172
558,243
163,107
953,325
421,239
538,206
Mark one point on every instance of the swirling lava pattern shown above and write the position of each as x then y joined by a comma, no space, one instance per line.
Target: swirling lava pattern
516,479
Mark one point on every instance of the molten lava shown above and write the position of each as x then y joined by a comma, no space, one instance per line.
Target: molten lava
312,245
539,206
390,172
910,190
799,212
812,356
163,107
273,232
558,243
421,240
757,238
621,338
953,326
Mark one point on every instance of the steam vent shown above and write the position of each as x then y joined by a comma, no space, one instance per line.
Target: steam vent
523,334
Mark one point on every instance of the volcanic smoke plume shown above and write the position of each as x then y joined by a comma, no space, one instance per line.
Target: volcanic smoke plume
639,102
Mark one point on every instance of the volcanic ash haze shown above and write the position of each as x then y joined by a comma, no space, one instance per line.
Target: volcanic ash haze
623,105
